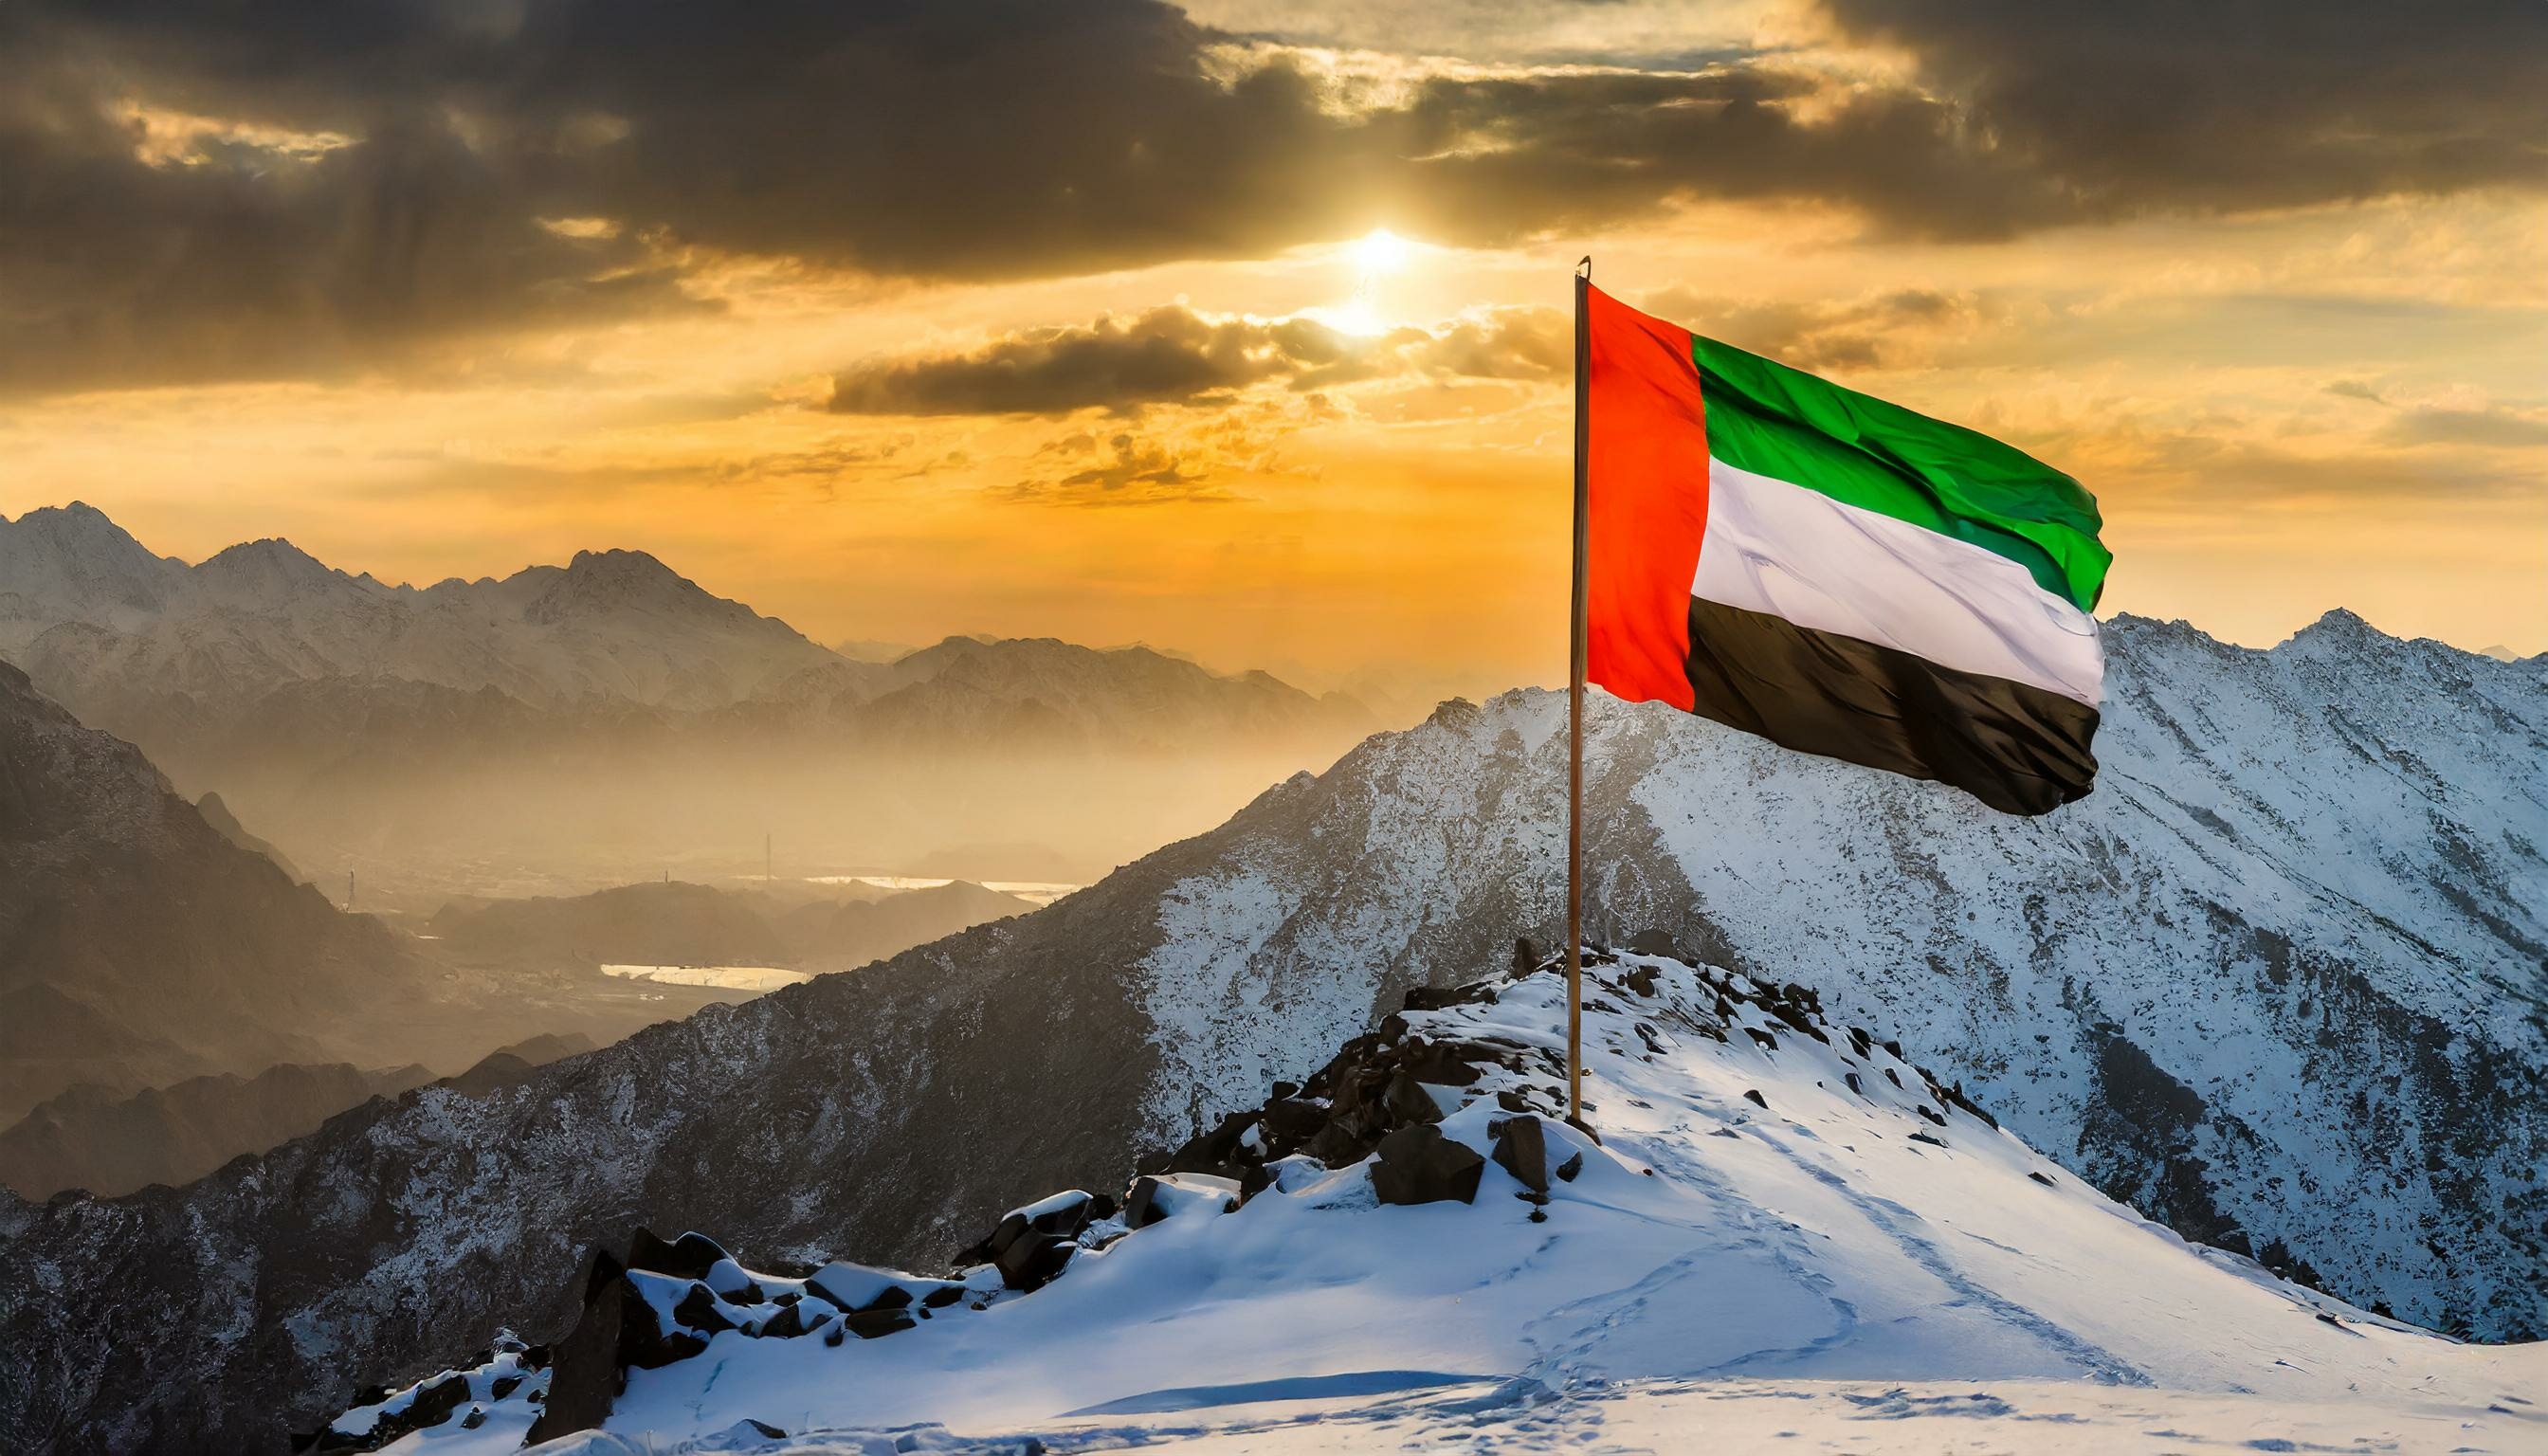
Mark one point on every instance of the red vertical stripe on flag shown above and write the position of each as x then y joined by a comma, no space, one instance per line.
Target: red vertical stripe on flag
1646,465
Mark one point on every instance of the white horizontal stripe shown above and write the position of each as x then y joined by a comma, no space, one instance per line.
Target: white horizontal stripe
1799,554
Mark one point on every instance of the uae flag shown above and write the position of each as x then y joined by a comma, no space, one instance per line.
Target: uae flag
1839,575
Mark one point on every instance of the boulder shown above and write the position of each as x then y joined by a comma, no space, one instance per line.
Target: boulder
585,1368
1031,1263
1435,998
1155,1199
1654,943
1290,1121
878,1324
1525,957
698,1311
1407,1101
1521,1149
1417,1165
690,1257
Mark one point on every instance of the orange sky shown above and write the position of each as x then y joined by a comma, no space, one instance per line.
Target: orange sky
1337,460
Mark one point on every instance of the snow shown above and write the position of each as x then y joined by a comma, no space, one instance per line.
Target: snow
1870,1270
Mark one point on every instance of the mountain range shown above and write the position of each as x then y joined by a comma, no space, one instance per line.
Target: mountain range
611,716
2278,983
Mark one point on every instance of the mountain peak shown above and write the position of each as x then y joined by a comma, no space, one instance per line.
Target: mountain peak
77,555
615,580
267,564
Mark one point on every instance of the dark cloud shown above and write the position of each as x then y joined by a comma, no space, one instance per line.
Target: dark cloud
1130,469
981,139
2204,105
1174,356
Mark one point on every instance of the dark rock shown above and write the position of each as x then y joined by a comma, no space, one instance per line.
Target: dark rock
1284,1089
1754,1097
878,1324
1407,1102
690,1257
1641,980
1031,1263
698,1311
1765,1040
839,1333
1419,1164
503,1385
785,1324
1572,1165
893,1297
941,1296
1521,1148
1435,998
1140,1209
1290,1121
1336,1145
1064,1220
476,1417
1654,943
2042,1179
1444,1063
768,1431
1525,957
586,1373
1931,1141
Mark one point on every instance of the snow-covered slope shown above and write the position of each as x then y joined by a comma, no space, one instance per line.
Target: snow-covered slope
2282,981
1770,1195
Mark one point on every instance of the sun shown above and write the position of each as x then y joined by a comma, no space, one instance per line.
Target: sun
1380,251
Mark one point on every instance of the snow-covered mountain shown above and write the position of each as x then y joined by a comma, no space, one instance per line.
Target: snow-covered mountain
2281,981
2277,983
1411,1244
610,716
128,638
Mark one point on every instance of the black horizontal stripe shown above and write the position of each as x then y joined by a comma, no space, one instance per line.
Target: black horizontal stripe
2019,749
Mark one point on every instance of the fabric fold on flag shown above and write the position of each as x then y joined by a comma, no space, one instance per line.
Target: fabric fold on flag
1837,574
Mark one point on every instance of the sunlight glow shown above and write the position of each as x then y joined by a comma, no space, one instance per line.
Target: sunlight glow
1380,251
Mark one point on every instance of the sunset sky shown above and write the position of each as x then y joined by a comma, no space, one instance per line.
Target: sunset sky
1239,329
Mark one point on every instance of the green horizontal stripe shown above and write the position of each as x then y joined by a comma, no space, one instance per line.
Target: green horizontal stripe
1784,423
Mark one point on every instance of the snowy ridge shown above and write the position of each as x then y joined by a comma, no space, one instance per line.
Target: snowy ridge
1772,1198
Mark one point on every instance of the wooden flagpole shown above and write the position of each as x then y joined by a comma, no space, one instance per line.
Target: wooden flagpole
1580,647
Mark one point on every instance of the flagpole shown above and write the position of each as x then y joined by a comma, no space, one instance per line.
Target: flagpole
1578,647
